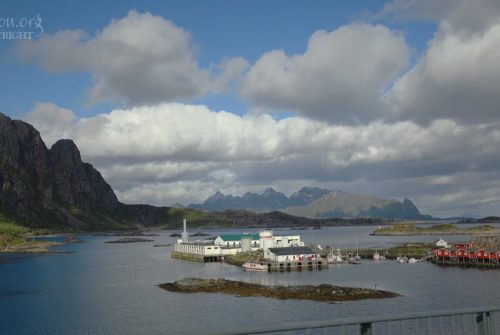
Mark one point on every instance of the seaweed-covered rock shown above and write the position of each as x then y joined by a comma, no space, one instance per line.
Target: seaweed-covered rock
323,292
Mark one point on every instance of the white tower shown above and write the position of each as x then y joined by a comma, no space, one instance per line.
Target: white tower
184,235
266,239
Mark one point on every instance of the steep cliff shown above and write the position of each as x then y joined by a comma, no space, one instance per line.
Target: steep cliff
78,184
54,188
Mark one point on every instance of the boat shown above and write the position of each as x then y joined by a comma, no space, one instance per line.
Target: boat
411,260
335,258
357,258
353,261
251,266
377,256
402,259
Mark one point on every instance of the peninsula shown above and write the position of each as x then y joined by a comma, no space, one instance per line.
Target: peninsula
407,229
13,240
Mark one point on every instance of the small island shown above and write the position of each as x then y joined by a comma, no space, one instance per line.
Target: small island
321,293
408,229
130,240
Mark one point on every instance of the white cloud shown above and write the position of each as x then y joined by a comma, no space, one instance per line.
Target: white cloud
183,153
52,121
463,17
141,58
341,77
457,78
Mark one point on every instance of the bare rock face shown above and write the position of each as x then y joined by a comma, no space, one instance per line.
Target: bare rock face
78,184
25,166
37,184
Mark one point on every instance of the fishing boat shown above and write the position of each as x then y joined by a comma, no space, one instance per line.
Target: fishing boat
251,266
357,258
402,259
377,256
333,258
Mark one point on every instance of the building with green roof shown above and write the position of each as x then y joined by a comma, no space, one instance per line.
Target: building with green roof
234,240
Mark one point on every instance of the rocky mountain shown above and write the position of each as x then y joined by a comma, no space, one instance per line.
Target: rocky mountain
313,202
342,204
269,200
306,195
54,188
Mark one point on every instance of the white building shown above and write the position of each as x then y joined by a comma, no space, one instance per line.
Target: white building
197,248
296,254
234,240
263,240
287,241
441,243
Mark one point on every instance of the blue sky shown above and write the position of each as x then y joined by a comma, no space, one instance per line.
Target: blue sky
218,28
174,100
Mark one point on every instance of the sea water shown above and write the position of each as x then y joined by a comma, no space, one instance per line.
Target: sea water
102,288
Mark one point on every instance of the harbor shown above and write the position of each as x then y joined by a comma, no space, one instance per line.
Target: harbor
274,252
266,252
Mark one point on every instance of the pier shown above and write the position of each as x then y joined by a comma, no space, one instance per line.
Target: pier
466,262
273,266
482,251
197,257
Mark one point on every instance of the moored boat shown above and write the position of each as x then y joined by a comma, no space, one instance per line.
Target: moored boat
402,259
251,266
335,258
377,256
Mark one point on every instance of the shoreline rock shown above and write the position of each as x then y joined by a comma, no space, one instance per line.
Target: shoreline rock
320,293
130,240
30,248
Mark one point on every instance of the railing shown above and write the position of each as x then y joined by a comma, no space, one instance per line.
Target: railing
472,321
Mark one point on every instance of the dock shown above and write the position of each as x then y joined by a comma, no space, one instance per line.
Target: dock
276,266
197,257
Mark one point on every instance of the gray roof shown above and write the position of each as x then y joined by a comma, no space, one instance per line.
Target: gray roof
291,251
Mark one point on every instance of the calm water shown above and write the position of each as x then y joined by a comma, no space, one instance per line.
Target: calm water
102,288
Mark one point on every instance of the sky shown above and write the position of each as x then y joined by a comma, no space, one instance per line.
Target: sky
174,100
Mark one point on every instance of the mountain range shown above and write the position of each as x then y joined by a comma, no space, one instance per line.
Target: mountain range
269,200
314,202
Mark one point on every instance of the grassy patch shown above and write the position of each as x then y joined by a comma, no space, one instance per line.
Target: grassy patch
7,240
10,228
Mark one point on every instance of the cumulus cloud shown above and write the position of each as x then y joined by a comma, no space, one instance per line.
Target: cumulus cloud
51,121
183,153
141,58
464,17
456,78
341,77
